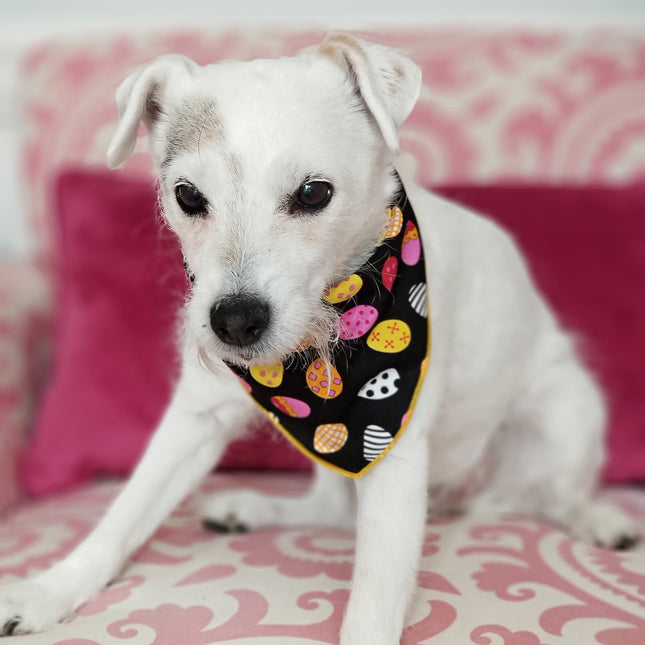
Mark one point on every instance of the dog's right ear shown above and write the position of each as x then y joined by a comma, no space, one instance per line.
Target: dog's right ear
143,98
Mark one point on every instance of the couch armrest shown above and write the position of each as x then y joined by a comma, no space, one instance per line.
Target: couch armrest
24,335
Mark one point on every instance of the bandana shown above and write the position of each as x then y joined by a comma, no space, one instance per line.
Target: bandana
349,414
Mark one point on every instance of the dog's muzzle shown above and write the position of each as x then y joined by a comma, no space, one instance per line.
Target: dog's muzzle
240,320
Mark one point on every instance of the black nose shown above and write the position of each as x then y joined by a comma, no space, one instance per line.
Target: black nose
240,320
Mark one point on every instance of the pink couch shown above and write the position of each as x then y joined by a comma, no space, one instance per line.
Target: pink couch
540,130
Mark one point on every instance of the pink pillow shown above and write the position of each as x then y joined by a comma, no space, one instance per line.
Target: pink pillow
120,287
586,248
121,284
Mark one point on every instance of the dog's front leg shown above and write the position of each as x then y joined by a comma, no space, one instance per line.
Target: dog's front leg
201,419
392,506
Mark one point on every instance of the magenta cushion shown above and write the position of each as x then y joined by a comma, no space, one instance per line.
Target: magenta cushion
586,248
120,287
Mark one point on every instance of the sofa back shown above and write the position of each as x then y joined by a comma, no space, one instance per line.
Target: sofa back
516,108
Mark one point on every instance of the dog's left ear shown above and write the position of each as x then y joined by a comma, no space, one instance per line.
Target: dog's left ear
388,82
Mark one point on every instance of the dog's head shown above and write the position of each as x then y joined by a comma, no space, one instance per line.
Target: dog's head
276,176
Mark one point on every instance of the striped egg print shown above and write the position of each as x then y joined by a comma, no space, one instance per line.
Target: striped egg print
418,299
375,441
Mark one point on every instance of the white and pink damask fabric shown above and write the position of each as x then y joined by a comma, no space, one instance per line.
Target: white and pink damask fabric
496,105
511,582
23,329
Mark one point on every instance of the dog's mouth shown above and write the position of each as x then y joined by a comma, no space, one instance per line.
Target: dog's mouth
248,357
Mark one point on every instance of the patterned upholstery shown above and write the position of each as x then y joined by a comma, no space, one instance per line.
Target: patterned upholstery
495,105
24,301
511,582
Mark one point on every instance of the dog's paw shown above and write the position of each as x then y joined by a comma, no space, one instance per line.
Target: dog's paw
604,525
240,511
31,606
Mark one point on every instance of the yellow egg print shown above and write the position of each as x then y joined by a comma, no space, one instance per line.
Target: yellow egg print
395,222
344,290
330,437
390,336
268,375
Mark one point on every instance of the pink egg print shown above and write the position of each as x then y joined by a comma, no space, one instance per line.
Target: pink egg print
293,407
357,321
388,275
411,249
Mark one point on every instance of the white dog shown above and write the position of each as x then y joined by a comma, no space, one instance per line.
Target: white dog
277,176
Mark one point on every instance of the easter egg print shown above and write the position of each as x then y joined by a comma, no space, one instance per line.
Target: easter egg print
330,437
418,300
303,345
375,441
395,222
268,375
411,248
357,321
324,380
381,386
390,336
344,290
293,407
388,273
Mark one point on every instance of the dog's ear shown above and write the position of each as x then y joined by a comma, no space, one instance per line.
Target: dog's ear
388,82
142,98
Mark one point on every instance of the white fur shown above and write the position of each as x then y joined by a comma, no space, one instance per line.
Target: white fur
508,419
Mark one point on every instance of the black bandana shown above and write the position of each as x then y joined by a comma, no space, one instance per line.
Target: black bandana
349,414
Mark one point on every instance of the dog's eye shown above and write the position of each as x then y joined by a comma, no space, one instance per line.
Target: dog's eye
313,196
190,199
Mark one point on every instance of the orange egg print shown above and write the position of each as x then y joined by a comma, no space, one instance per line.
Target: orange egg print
395,222
324,380
390,336
344,290
268,375
330,437
304,344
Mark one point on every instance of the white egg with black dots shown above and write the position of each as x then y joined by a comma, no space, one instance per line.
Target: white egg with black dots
382,386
